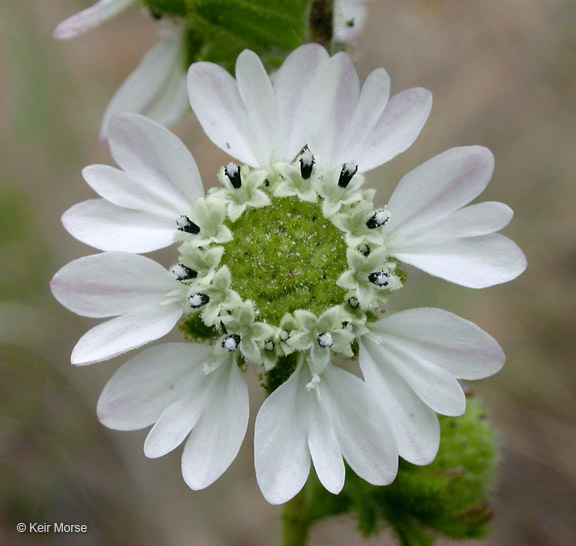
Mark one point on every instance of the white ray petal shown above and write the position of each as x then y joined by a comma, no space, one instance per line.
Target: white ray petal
332,106
323,445
361,427
371,104
123,190
108,227
152,155
89,18
157,87
437,188
471,221
444,339
124,333
293,84
216,439
281,454
177,420
396,130
475,262
258,97
112,283
414,424
215,99
147,384
435,386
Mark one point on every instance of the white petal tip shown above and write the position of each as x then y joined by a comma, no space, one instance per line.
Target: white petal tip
75,361
421,460
153,452
197,483
63,32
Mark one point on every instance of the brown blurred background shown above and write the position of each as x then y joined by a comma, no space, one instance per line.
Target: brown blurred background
503,75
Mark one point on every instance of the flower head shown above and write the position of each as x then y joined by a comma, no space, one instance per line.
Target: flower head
285,265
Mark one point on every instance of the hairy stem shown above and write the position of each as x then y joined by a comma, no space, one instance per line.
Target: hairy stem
295,521
322,22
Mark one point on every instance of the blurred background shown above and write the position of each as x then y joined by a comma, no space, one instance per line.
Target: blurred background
503,75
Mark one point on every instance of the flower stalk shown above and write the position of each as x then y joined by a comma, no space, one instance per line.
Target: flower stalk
321,22
295,520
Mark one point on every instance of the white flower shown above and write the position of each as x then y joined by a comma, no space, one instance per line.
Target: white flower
339,187
168,386
339,418
203,262
305,136
251,333
361,224
220,296
142,203
207,225
370,276
321,335
297,180
241,189
411,361
157,87
146,300
430,228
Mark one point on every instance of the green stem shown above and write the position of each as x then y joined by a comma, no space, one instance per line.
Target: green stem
322,22
295,521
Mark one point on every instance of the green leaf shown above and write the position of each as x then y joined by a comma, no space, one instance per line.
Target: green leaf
271,28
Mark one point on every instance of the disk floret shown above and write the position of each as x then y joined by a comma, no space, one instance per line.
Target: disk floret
286,259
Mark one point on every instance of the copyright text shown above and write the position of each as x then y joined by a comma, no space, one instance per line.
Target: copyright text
57,527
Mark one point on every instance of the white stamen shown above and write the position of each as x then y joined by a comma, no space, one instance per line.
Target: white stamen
314,383
378,219
325,340
231,343
198,300
183,273
231,169
379,278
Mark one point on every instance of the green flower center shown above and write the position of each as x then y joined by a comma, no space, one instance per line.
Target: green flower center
286,257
